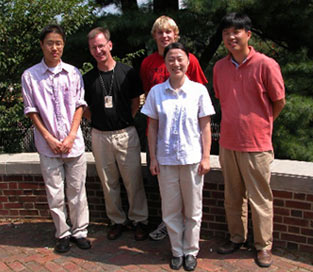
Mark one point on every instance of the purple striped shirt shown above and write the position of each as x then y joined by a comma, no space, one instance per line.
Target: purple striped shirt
54,94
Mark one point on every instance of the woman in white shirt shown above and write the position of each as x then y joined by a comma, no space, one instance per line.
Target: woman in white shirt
179,137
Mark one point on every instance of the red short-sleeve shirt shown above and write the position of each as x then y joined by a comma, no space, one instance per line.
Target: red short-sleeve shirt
246,94
153,71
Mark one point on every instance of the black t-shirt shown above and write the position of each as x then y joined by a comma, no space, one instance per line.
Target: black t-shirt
126,86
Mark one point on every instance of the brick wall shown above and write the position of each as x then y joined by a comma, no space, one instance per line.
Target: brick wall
23,196
293,220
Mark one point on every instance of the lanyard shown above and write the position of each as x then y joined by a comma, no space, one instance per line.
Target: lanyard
109,93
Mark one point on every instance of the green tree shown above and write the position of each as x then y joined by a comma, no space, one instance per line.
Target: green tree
283,30
130,5
124,5
21,22
293,132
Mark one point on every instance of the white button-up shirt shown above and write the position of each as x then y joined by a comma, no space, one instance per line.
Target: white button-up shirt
178,113
54,94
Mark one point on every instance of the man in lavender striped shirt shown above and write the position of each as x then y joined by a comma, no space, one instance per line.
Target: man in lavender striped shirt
53,93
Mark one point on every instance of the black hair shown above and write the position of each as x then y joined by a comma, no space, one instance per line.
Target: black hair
175,45
236,20
51,29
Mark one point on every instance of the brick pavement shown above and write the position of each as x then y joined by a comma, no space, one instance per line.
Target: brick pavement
28,246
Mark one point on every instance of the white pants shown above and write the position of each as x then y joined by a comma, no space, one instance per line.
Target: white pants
181,193
117,154
56,173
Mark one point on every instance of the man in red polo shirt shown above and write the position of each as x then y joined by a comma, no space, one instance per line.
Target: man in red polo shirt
251,91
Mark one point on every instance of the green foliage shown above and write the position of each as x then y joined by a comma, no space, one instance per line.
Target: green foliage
86,67
283,29
293,134
287,22
21,22
298,72
128,58
14,126
205,7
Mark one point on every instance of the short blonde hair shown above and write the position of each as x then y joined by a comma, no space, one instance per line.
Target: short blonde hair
94,32
165,22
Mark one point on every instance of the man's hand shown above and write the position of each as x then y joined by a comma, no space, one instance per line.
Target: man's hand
54,144
67,144
154,167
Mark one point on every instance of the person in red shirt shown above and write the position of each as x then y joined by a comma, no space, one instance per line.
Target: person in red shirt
153,71
251,91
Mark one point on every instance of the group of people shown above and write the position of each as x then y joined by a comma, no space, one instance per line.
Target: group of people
250,88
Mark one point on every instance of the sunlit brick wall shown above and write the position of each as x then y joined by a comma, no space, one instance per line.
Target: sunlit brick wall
22,195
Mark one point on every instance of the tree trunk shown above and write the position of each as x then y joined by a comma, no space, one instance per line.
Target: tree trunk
210,50
163,5
128,5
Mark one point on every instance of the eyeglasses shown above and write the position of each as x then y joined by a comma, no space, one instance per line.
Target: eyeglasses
100,46
57,44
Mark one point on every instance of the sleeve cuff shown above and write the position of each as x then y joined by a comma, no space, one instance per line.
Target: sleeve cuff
28,110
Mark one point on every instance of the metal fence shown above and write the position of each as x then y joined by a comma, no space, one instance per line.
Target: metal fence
17,140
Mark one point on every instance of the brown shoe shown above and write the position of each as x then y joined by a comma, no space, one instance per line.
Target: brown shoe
264,258
141,231
229,247
115,231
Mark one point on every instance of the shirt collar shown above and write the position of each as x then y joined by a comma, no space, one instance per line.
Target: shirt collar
61,66
251,53
183,88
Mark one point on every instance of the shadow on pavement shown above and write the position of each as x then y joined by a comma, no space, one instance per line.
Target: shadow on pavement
25,239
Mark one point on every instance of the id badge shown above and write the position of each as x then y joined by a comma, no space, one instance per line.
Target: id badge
108,101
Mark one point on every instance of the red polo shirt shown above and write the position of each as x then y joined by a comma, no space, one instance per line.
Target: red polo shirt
153,71
246,93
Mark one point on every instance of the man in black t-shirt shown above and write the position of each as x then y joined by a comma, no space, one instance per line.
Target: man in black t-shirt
112,91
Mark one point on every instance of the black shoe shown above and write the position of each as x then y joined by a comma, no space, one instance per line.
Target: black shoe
229,247
176,263
141,231
63,245
190,263
82,243
115,231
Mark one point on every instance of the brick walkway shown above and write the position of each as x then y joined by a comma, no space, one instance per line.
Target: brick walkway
28,246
